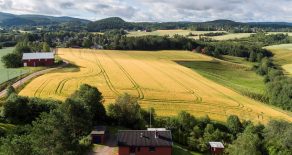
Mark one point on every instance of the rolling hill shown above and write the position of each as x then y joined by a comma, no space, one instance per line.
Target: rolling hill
7,19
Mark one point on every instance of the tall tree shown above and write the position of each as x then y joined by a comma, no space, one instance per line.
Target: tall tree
278,139
247,143
46,47
234,124
93,100
126,111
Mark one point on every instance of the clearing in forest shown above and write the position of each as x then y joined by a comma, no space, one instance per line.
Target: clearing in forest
154,78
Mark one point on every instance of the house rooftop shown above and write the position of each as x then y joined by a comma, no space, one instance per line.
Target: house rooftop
98,130
44,55
216,145
144,138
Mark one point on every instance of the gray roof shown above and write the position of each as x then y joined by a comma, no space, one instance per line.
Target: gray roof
98,130
156,129
47,55
216,144
144,138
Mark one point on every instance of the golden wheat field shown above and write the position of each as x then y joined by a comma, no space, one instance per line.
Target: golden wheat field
155,79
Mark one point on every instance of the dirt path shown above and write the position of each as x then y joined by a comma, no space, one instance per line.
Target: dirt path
31,76
110,148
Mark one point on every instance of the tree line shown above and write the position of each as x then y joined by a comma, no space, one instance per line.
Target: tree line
54,127
279,86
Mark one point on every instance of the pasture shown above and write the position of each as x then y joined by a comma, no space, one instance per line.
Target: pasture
171,33
231,36
235,76
155,79
9,73
283,56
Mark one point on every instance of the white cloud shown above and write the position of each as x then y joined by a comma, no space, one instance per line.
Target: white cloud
157,10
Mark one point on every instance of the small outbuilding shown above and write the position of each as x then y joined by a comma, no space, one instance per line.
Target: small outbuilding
145,142
98,135
38,59
216,148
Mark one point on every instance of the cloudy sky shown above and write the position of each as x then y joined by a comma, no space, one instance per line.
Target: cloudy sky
156,10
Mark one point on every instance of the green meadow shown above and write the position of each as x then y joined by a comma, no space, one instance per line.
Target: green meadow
235,75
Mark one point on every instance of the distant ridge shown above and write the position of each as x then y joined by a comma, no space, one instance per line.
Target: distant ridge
7,19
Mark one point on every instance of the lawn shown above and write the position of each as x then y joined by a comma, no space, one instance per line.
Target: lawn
11,73
158,81
178,150
7,74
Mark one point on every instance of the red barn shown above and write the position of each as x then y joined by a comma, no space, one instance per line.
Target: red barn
144,142
216,148
38,59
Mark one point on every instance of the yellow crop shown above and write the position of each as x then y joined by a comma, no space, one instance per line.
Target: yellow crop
153,77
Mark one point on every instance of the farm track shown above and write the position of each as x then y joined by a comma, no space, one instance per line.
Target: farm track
60,87
106,77
88,74
40,89
135,84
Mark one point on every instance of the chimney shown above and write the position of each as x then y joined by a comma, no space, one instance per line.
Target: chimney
141,134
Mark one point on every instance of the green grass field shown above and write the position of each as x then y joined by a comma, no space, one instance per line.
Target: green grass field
236,76
230,36
289,33
7,74
178,150
283,56
11,73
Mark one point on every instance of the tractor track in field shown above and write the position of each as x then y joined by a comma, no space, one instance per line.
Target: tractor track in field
105,75
59,89
240,105
158,82
41,88
135,84
198,99
61,84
